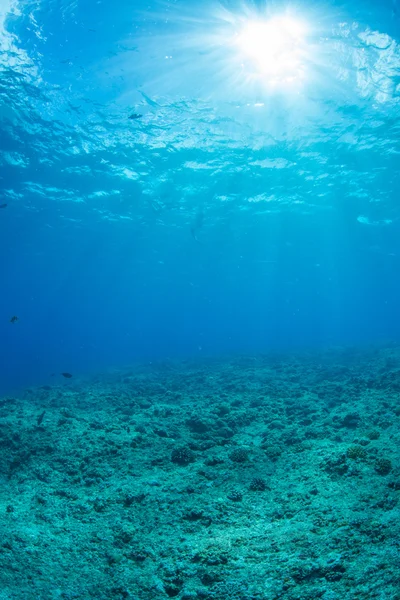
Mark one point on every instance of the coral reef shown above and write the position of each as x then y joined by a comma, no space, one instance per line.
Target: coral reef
249,478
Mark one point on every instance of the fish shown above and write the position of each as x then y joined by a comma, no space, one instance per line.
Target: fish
149,100
40,418
67,375
3,205
14,319
196,225
135,116
194,235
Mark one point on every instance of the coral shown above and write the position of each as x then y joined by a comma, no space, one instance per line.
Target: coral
336,465
356,452
182,456
351,420
229,590
383,466
258,485
235,496
273,451
239,455
319,522
211,556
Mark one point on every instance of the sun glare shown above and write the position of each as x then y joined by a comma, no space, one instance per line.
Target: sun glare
274,48
241,53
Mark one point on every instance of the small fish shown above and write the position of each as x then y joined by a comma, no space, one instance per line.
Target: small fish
40,418
134,116
197,225
3,205
67,375
194,235
14,319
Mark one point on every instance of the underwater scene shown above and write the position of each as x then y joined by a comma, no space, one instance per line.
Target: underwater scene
199,300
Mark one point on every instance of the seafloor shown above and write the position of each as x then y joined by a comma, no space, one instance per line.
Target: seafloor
249,478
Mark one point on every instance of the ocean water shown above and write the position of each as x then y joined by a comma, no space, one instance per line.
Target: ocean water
199,300
179,184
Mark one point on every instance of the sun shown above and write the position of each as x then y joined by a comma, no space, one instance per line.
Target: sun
274,48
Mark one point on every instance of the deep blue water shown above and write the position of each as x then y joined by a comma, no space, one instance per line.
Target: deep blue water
246,209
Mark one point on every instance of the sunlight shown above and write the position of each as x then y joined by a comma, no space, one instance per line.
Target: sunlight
212,50
275,48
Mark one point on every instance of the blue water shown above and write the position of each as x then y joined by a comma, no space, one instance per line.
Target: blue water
240,212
